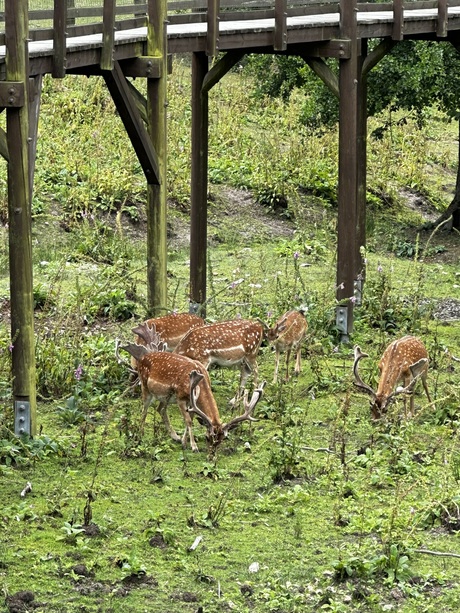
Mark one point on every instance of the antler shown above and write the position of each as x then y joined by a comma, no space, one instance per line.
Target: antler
195,378
120,359
150,336
248,408
358,381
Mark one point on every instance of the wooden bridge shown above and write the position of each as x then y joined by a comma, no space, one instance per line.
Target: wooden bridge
131,38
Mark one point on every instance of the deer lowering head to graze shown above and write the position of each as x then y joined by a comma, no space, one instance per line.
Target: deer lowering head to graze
171,328
287,335
226,343
406,360
168,376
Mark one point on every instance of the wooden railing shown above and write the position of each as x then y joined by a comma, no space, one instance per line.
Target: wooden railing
59,19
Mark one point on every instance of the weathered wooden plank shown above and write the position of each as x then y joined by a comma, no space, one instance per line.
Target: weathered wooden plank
20,224
4,145
108,35
35,92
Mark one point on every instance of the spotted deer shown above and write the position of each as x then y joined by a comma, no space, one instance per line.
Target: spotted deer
286,336
226,343
171,328
406,360
166,376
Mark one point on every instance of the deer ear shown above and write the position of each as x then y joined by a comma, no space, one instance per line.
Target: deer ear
417,368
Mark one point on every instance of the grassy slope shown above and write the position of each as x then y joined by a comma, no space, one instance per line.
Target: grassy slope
273,494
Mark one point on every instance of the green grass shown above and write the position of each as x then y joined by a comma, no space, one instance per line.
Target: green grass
330,510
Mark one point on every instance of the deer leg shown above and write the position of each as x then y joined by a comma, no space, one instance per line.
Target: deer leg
298,360
188,428
146,401
425,387
288,357
164,416
246,370
277,364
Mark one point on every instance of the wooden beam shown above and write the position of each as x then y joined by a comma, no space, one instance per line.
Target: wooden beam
220,69
4,145
121,93
322,70
157,46
20,224
35,93
377,54
12,94
199,184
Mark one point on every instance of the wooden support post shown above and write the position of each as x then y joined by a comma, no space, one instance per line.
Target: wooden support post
361,171
212,38
156,194
35,96
398,20
199,185
19,219
441,27
349,216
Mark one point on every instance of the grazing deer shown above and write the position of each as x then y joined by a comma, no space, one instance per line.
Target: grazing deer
225,343
405,359
165,376
287,335
171,328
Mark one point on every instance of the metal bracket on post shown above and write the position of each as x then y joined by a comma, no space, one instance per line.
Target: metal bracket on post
358,291
22,423
341,321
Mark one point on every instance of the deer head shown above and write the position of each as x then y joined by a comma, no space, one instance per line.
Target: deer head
226,343
406,360
214,435
287,335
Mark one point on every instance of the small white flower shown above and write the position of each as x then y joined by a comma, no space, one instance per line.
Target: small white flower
254,567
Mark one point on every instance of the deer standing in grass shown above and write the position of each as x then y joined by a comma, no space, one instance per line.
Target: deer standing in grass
226,343
166,376
406,360
287,335
171,328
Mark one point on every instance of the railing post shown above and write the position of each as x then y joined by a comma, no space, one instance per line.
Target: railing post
212,38
108,35
280,43
20,223
398,20
441,27
60,34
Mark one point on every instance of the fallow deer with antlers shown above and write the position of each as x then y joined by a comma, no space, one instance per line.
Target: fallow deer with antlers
226,343
166,376
287,335
406,360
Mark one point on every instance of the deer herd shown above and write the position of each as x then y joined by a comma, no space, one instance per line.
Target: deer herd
171,356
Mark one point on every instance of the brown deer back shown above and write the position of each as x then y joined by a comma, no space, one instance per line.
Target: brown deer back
395,363
224,343
289,330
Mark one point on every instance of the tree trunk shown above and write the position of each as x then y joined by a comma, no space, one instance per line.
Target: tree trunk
453,210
